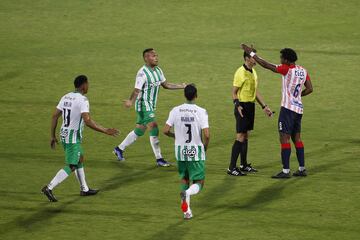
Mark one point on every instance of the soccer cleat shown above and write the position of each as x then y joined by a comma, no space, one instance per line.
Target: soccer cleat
299,173
48,193
162,163
235,172
184,205
188,215
119,154
89,193
281,175
248,168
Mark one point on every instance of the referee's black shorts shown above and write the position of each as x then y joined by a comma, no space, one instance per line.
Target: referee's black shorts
245,123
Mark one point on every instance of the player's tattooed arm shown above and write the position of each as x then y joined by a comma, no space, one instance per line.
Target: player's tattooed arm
206,138
54,121
93,125
262,62
308,88
173,86
129,102
167,131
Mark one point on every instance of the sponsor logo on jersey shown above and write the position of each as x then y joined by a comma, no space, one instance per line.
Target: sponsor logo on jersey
188,110
64,132
154,84
190,153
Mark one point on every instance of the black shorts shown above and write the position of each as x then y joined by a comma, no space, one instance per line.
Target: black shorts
289,121
246,123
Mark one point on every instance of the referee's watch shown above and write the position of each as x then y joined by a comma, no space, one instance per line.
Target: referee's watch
263,106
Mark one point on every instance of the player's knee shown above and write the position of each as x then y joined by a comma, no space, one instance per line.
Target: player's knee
284,138
154,132
139,131
69,168
185,181
241,137
80,165
73,167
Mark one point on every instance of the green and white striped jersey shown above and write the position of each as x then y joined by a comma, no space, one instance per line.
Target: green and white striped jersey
148,81
72,105
188,120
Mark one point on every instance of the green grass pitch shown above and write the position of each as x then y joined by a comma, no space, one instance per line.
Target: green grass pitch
45,44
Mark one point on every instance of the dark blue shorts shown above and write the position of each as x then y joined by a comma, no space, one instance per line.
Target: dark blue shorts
289,121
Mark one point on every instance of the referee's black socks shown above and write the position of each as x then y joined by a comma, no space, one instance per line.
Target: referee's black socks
243,153
238,148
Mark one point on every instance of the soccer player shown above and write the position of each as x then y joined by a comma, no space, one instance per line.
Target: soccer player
294,78
244,94
74,108
190,122
147,84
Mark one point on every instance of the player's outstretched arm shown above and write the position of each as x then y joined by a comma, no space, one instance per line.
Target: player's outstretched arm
54,121
129,102
173,86
263,105
262,62
93,125
308,88
206,133
167,131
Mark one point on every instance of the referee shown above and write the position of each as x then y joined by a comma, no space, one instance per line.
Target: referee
244,94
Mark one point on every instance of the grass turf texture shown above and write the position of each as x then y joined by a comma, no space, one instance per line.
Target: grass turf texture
44,44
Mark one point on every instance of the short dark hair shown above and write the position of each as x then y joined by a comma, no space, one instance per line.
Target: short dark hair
147,50
190,92
248,55
289,54
80,80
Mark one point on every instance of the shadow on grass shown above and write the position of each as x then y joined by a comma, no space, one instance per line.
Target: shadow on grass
179,229
130,177
43,215
175,231
46,212
10,75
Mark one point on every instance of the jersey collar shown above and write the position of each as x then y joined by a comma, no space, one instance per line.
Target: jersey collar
247,69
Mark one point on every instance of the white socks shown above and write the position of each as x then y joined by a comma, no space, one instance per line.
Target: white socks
155,146
301,168
80,175
130,138
59,177
192,190
286,171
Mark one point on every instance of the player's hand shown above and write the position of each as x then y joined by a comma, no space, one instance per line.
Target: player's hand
127,103
268,111
240,109
246,48
112,132
53,142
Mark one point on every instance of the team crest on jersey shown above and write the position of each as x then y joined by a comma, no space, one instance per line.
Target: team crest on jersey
152,115
190,153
